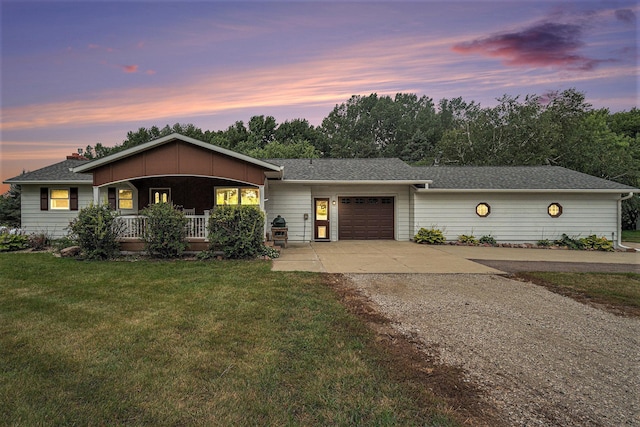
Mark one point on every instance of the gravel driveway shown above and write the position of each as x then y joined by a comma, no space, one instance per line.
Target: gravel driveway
542,358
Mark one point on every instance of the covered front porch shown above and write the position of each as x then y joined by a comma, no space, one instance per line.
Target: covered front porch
193,195
134,225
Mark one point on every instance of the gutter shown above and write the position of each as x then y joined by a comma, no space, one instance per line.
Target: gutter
519,190
425,182
619,225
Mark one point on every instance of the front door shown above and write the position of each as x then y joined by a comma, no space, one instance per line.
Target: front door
321,219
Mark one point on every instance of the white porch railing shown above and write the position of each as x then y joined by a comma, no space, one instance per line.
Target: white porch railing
134,226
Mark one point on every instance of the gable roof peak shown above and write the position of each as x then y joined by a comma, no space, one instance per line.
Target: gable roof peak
167,139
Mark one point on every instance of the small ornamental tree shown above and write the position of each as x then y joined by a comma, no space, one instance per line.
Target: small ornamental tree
97,229
238,231
165,232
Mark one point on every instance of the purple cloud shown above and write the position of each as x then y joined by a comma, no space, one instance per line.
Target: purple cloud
545,44
627,16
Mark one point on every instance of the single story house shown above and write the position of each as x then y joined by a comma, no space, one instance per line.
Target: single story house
326,199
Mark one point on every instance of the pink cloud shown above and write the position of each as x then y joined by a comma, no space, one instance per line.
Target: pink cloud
130,68
541,45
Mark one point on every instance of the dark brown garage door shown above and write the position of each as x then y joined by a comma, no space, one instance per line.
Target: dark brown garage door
365,218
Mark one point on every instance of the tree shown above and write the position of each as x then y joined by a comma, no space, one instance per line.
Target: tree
261,131
143,135
292,150
298,130
10,207
372,126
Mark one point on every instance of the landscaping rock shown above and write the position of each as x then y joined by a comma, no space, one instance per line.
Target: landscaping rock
71,251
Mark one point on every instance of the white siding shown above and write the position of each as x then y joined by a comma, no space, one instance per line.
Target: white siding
52,222
400,193
517,217
290,201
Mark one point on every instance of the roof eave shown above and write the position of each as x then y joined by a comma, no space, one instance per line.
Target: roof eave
48,182
527,190
343,182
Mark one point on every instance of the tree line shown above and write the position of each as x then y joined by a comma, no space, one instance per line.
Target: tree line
558,128
555,129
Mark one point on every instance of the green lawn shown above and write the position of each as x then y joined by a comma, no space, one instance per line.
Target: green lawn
631,236
189,343
620,291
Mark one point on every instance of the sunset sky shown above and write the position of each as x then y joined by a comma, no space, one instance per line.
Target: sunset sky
81,72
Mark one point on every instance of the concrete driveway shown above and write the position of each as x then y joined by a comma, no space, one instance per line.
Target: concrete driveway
389,256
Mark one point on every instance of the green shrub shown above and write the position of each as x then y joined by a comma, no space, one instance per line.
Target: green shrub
165,231
97,229
430,236
545,243
569,242
13,242
269,252
467,239
238,231
597,243
488,240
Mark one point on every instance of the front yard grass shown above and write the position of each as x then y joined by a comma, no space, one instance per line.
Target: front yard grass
618,292
190,343
631,236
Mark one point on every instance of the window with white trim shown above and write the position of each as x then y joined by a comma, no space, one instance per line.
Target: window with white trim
59,199
160,195
125,199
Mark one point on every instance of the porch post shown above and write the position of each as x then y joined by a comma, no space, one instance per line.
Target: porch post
263,208
96,195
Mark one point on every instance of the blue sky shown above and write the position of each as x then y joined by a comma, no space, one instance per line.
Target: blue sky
77,73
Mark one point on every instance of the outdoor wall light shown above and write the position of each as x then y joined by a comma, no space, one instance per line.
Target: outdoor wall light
483,210
554,210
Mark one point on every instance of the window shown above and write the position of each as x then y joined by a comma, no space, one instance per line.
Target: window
554,210
226,196
237,196
125,199
160,195
60,199
483,210
249,196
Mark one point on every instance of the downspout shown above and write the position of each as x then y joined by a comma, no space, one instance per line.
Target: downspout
619,225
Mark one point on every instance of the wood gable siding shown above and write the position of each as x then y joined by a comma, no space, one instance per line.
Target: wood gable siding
178,158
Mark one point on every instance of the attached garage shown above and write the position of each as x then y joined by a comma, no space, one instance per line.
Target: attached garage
365,218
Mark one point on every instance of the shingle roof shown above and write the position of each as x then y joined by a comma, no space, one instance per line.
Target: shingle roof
58,172
515,178
442,177
347,170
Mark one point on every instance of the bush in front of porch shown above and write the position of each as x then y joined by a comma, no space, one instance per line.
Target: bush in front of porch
97,230
238,231
165,231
